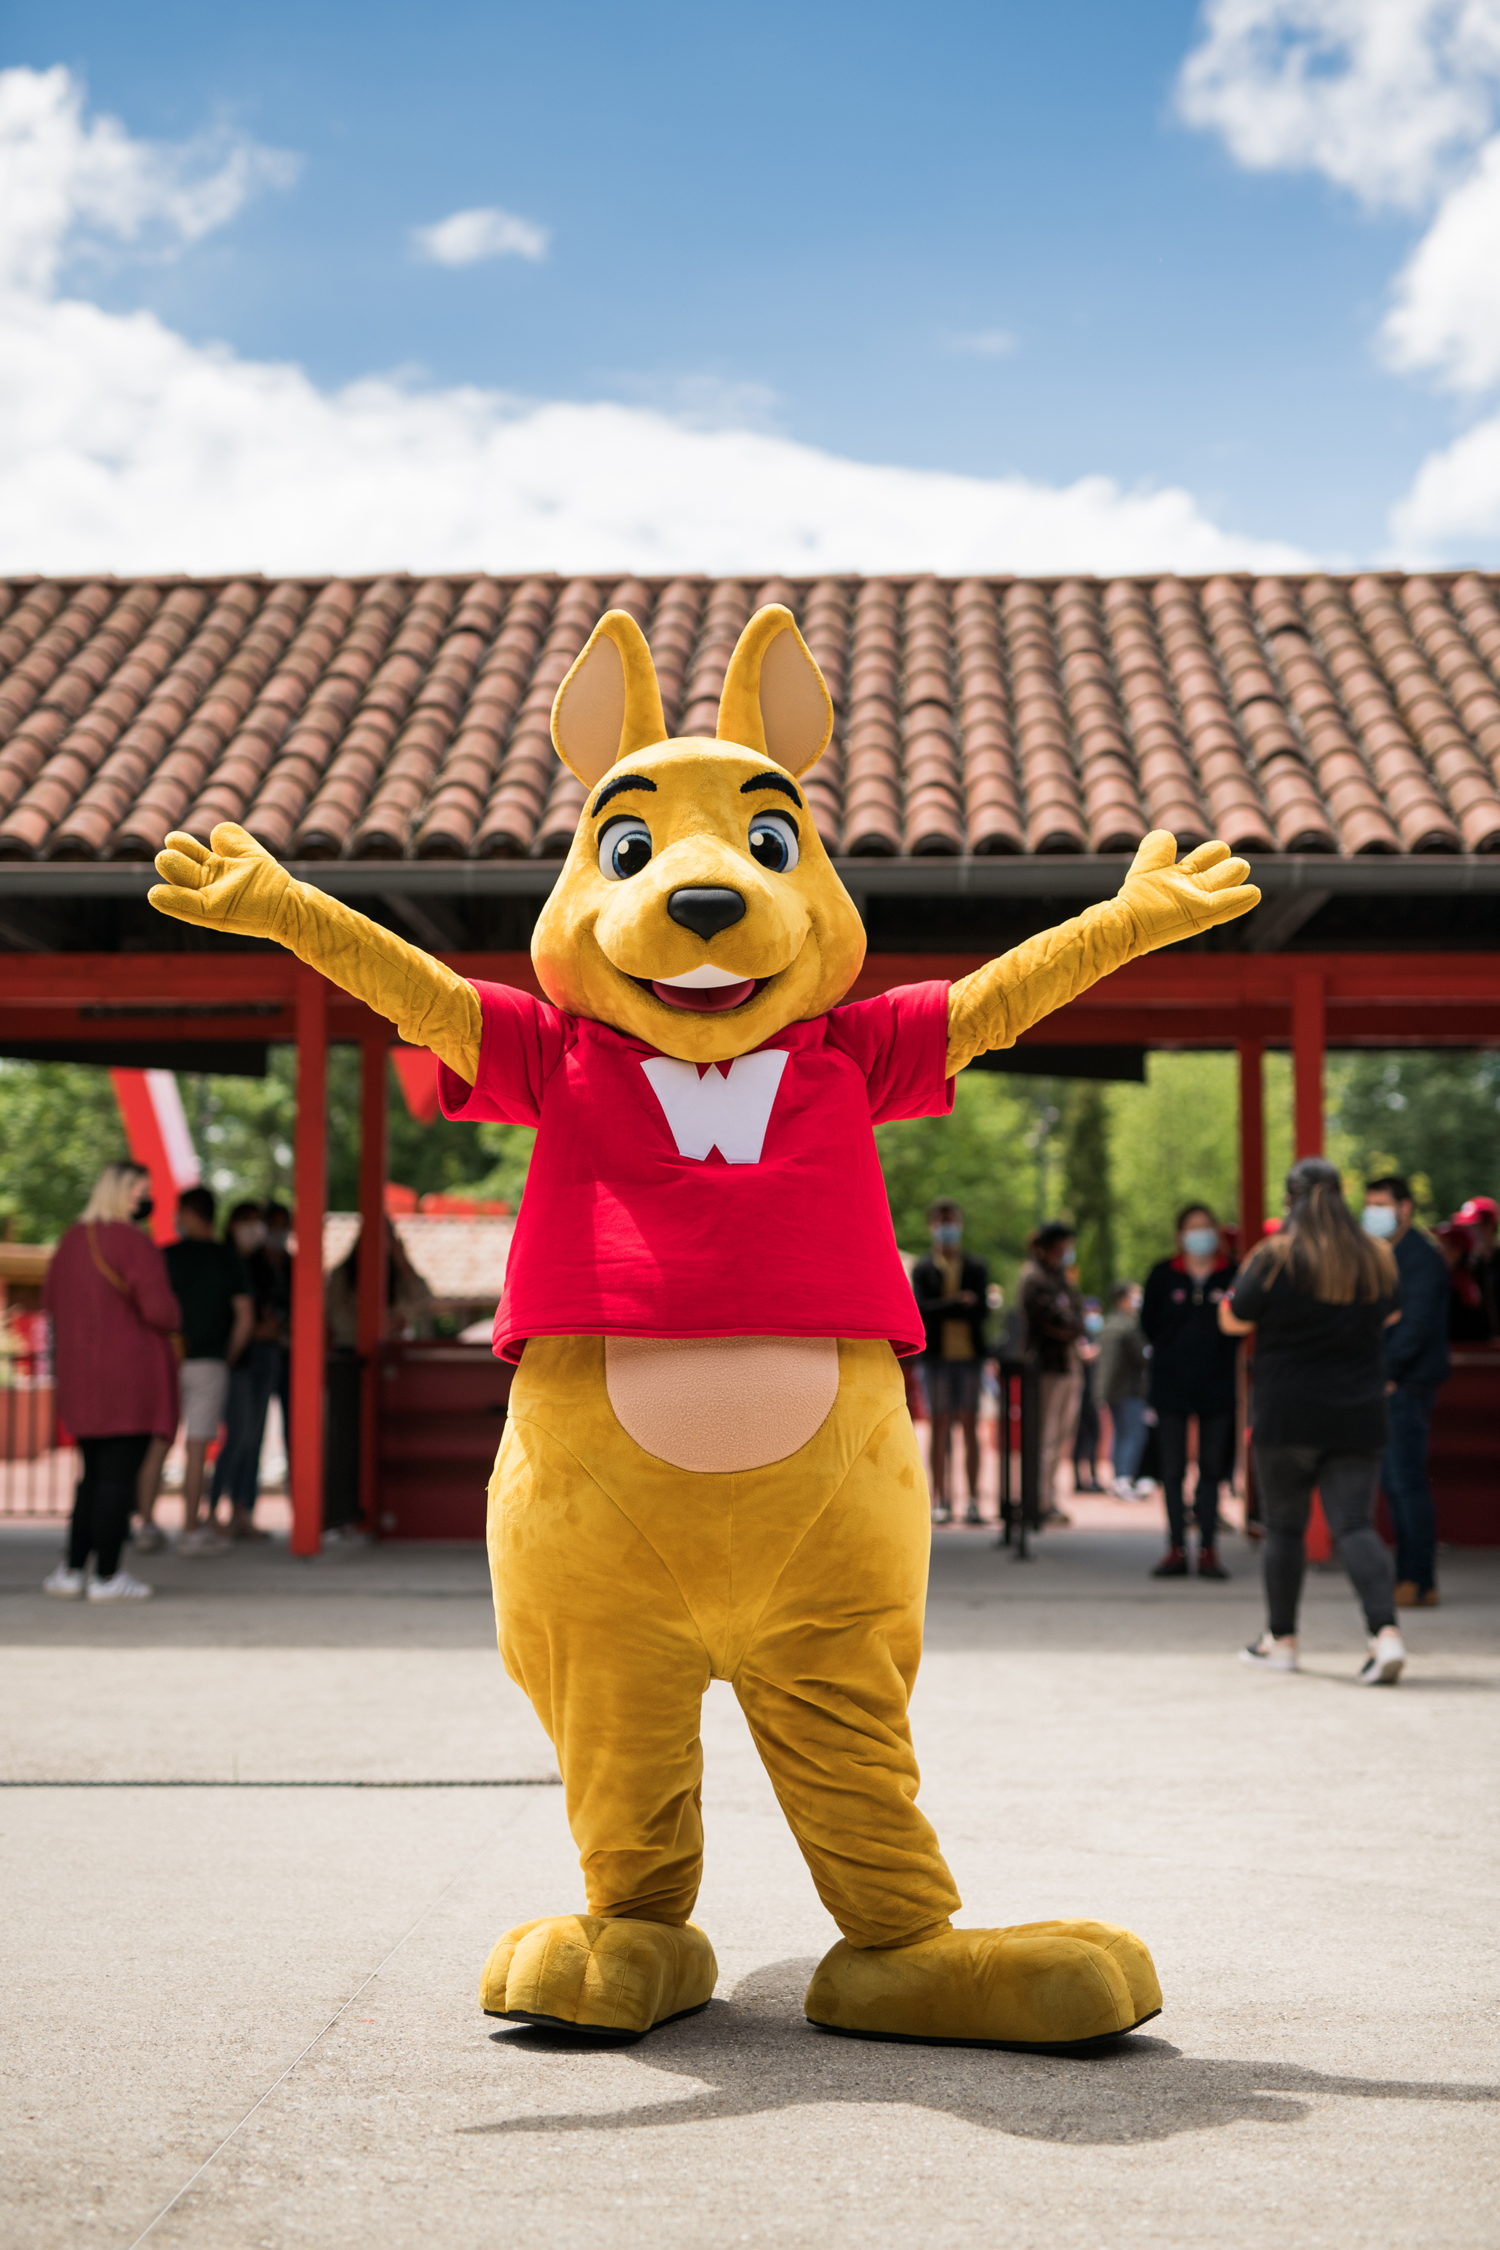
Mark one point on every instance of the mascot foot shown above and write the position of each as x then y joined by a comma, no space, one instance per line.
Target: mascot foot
1042,1987
608,1979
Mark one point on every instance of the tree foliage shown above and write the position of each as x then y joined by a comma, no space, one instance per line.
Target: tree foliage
1431,1114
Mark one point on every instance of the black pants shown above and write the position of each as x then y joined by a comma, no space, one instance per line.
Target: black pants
1215,1461
1285,1475
105,1500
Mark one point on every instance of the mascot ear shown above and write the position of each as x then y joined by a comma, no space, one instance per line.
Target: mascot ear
774,700
609,704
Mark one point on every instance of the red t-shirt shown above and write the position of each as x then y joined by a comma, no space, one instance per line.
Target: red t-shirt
743,1199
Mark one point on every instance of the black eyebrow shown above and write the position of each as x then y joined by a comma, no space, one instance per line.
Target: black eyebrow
613,788
772,781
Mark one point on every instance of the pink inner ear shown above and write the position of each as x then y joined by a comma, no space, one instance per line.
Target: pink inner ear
793,704
592,713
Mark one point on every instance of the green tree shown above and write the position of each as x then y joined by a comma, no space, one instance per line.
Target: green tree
1430,1113
59,1127
983,1155
1088,1189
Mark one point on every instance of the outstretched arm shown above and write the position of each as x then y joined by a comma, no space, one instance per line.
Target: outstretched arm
231,884
1161,900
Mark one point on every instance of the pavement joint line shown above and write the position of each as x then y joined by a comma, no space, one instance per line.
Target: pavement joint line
282,2076
520,1781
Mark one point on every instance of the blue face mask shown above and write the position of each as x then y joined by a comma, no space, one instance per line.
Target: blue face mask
1379,1219
1094,1323
1201,1242
947,1237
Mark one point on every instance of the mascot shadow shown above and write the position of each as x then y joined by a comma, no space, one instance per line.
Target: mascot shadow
754,2053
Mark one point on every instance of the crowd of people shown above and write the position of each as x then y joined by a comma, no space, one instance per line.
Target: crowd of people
1351,1319
147,1341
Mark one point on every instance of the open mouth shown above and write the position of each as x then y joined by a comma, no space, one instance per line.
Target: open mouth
705,991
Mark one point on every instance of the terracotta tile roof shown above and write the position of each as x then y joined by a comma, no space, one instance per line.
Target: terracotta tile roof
405,718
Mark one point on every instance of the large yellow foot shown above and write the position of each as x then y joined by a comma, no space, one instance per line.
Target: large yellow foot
579,1972
1041,1985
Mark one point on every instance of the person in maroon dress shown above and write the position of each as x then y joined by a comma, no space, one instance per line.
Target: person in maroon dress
113,1314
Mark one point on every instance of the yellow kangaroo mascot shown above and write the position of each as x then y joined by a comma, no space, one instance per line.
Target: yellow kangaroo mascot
709,1471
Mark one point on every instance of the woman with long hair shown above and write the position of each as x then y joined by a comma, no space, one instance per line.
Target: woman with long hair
1319,1295
113,1313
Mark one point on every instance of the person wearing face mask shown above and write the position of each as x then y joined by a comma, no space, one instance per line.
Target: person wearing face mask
1122,1376
1416,1366
1086,1436
113,1313
1052,1311
1320,1296
1193,1366
252,1378
950,1286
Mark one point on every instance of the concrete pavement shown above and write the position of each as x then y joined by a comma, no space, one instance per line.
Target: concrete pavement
244,2015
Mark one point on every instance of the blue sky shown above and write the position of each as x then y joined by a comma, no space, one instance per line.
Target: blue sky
980,240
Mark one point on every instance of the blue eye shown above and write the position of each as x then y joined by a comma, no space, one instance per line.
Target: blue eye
624,849
773,842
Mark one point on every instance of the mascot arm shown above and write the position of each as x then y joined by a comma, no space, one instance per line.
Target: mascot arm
231,884
1161,900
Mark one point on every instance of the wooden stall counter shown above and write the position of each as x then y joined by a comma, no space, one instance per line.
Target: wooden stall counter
1464,1461
440,1418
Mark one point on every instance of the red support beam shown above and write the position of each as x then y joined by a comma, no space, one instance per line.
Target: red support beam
1309,1039
1252,1145
370,1310
308,1344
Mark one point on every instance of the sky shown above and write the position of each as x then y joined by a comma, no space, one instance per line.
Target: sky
990,287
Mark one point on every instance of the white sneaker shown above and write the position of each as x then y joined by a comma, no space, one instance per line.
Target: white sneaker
1382,1667
1272,1653
203,1541
66,1584
121,1588
1144,1487
149,1540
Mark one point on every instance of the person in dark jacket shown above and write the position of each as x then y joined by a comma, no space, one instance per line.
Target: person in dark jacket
1320,1296
1416,1366
1053,1320
951,1289
1193,1368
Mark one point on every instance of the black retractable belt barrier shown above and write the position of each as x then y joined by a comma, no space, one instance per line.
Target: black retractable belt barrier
1020,1436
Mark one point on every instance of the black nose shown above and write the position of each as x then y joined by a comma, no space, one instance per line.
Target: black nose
706,912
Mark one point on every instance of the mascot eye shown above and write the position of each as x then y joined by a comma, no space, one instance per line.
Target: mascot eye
624,849
773,842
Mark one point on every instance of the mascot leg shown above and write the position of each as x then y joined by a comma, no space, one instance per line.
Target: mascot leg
824,1685
596,1633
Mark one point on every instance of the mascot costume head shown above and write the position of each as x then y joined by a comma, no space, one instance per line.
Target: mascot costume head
709,1469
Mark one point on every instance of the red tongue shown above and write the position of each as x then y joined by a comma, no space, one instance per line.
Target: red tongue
706,999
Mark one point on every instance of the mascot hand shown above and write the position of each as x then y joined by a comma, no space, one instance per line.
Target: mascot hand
231,883
1171,898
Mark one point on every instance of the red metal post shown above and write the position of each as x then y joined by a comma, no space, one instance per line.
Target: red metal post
1252,1145
308,1345
1309,1037
370,1312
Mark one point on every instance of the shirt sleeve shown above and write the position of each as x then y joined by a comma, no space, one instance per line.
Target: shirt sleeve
521,1042
900,1041
1247,1300
240,1284
146,1270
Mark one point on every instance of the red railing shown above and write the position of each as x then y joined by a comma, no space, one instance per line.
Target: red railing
38,1462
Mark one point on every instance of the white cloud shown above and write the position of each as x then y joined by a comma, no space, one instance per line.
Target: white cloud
1446,314
1378,95
1395,100
468,237
124,446
63,183
1453,507
984,343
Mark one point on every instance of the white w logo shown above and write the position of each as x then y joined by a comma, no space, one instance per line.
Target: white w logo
728,1112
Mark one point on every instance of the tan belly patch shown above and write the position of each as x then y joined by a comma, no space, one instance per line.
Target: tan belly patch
721,1404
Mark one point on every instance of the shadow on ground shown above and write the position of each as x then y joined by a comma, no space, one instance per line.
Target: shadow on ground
754,2053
